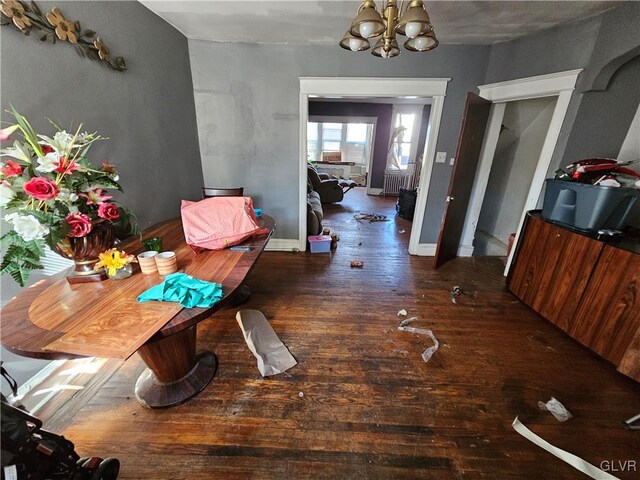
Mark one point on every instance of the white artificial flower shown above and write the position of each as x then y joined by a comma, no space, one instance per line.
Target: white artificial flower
6,194
19,151
48,163
27,226
116,178
60,141
65,195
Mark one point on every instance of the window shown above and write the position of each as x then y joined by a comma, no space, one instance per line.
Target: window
353,138
404,136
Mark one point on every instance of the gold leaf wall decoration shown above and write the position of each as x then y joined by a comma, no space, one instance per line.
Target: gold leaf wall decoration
55,26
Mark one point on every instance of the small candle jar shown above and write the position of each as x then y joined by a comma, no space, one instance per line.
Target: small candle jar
123,272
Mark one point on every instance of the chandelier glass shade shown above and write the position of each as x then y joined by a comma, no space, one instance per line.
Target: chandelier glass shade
413,23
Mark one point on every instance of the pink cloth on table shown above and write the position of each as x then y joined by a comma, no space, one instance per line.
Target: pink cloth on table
219,222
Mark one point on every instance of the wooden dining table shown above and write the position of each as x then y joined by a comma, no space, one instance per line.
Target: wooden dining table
54,319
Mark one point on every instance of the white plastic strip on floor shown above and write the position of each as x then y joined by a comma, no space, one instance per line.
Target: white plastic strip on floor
573,460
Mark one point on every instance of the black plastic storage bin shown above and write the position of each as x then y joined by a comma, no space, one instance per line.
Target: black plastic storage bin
589,207
406,203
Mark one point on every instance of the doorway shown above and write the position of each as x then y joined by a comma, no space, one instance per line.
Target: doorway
555,86
522,133
375,87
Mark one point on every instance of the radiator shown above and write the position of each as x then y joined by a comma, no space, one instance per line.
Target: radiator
394,180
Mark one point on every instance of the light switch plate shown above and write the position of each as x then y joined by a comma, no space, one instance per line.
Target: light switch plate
452,161
441,157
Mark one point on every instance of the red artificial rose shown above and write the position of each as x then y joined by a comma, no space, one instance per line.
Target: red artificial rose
80,224
47,149
41,188
108,211
11,169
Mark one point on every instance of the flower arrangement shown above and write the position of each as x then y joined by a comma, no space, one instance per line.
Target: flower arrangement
53,196
113,260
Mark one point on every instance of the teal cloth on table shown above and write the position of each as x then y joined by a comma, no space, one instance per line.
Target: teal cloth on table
187,291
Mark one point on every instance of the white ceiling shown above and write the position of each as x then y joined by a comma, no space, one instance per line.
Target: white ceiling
314,22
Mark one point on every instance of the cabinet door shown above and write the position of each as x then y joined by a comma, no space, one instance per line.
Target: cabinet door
552,270
609,314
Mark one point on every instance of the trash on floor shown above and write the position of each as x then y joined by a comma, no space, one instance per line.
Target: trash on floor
402,230
456,291
301,395
357,263
401,352
371,217
407,321
402,312
335,238
629,424
557,409
573,460
428,353
272,355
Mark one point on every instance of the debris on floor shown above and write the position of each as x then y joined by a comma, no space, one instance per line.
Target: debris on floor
371,217
456,291
335,238
272,355
557,409
357,263
428,353
629,424
573,460
401,352
407,321
402,312
301,395
402,230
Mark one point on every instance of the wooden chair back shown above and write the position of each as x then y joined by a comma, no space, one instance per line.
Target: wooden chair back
222,192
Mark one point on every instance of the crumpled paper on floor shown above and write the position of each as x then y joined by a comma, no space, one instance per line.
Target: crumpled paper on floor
557,409
428,353
272,355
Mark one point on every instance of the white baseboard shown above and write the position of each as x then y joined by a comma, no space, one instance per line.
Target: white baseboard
284,245
465,251
425,249
374,191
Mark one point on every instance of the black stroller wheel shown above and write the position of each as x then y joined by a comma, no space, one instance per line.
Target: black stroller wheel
108,470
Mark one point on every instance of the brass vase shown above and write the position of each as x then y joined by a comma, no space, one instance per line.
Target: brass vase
84,252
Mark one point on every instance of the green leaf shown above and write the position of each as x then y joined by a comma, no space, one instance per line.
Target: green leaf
20,276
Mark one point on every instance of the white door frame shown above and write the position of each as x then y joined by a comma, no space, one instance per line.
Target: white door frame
560,85
375,87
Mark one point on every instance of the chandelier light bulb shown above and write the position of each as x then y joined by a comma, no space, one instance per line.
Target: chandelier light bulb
421,42
356,44
412,29
367,28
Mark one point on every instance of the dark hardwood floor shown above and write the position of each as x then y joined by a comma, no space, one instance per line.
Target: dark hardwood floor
361,403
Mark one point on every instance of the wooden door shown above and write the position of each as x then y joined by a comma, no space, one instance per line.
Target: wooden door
474,124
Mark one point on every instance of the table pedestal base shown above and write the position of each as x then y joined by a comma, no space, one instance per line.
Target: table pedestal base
175,374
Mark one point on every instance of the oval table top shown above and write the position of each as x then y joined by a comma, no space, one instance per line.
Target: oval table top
55,319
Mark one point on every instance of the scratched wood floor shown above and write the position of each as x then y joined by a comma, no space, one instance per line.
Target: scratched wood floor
361,403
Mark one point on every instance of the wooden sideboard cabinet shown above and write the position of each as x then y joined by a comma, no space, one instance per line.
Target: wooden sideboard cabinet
588,288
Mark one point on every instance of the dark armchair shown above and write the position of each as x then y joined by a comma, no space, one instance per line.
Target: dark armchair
330,190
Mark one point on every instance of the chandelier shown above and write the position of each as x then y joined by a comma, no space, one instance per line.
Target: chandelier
413,23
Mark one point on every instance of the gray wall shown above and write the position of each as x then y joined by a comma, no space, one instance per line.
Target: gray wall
147,112
593,44
247,102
